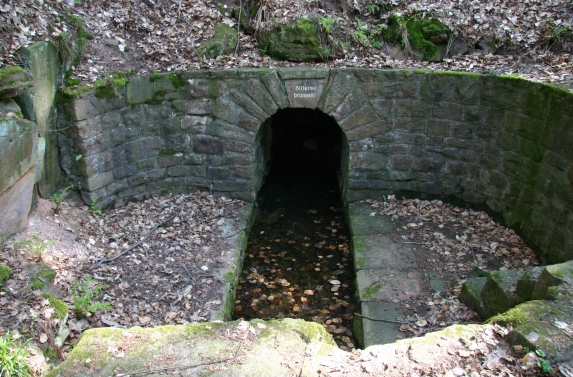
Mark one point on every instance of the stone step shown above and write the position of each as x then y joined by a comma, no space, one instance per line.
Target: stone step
553,276
502,290
542,324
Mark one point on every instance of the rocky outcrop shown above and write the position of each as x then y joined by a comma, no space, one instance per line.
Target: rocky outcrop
224,42
18,156
299,42
535,303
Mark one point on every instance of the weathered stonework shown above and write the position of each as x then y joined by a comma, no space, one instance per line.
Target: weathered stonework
496,141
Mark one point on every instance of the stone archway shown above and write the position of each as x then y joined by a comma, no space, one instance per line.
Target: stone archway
301,145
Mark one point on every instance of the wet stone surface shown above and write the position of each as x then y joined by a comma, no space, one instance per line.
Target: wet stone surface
298,261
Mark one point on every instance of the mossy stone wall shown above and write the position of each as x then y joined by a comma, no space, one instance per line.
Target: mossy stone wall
501,142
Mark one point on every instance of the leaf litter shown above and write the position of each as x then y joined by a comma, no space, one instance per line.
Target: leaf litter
531,38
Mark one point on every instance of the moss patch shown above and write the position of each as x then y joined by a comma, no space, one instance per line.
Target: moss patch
370,291
424,34
5,273
61,308
46,272
9,71
104,89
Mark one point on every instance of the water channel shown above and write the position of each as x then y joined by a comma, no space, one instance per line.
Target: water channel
298,261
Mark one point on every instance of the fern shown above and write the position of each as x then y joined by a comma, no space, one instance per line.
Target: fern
84,293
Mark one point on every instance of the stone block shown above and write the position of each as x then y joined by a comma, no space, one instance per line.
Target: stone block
123,171
117,186
195,124
439,127
235,146
499,292
401,163
531,328
383,107
227,110
15,204
364,115
527,282
467,89
111,158
304,93
410,108
352,102
470,295
258,92
208,145
368,161
227,131
337,88
410,138
303,73
97,181
243,171
187,171
152,146
217,172
473,114
170,160
201,106
381,252
247,104
448,110
95,145
371,332
387,285
375,128
502,93
361,223
276,88
238,159
552,276
410,124
147,164
131,151
436,87
391,89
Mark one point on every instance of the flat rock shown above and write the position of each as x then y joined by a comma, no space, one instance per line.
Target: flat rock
15,204
237,348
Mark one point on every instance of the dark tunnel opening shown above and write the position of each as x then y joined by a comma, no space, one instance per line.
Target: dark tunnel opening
298,262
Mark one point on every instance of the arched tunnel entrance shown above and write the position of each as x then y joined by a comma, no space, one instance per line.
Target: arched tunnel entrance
305,153
298,261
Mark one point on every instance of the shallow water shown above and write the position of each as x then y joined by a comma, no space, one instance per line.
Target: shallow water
298,262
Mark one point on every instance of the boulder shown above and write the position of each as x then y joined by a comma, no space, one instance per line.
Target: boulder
223,42
299,42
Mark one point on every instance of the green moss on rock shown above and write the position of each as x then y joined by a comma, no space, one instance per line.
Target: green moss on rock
424,34
300,41
9,71
61,308
223,42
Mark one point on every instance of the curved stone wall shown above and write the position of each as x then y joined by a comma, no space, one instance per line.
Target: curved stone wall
498,141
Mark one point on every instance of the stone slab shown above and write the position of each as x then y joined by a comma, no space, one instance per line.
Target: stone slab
200,349
375,330
373,252
362,223
389,284
15,204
